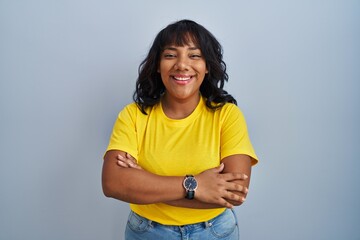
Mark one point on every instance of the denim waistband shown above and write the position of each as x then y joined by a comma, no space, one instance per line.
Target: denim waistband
204,224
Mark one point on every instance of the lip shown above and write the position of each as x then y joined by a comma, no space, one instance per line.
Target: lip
181,79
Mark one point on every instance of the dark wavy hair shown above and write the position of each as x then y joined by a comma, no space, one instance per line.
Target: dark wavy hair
149,86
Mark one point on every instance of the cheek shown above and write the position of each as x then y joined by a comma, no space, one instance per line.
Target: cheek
203,68
164,68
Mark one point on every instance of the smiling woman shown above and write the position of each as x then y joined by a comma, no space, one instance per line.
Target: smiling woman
180,154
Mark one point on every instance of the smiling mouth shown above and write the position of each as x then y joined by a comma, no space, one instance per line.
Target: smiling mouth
182,78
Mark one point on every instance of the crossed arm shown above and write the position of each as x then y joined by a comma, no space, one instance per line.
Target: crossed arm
224,186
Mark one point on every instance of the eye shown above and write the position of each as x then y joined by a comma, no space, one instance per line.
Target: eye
169,55
195,56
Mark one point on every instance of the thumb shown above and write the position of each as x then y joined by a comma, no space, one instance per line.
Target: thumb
220,168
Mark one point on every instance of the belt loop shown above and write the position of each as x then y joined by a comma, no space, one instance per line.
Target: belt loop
207,224
150,223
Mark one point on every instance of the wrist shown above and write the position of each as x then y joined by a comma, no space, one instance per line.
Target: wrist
190,184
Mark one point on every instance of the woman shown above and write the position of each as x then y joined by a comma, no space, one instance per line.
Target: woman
180,154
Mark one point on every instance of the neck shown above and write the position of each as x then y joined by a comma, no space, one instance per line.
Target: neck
178,108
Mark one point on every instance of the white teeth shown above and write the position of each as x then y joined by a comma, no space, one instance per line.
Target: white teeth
182,78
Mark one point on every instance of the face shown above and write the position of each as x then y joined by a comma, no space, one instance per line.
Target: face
182,70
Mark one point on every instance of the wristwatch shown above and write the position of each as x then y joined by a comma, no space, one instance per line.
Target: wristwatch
190,185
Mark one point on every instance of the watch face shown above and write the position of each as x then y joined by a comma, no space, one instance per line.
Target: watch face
190,183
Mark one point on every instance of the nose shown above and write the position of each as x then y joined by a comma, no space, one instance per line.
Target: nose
181,63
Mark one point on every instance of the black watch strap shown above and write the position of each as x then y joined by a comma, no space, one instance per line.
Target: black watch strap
190,194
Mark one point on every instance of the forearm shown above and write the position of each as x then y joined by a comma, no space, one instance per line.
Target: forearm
232,164
215,189
137,186
194,203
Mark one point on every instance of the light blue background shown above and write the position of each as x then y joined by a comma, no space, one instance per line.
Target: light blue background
68,67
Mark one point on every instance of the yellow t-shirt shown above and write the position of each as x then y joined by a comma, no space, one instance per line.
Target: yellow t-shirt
170,147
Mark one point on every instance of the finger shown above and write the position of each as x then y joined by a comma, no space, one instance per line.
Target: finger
230,196
125,160
220,168
135,166
226,204
128,165
121,157
234,176
122,164
129,156
128,162
237,187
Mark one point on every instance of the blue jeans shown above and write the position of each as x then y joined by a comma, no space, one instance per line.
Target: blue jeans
223,226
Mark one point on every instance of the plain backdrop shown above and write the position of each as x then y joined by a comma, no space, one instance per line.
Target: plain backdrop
68,67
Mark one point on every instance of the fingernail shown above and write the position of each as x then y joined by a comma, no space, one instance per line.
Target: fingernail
246,176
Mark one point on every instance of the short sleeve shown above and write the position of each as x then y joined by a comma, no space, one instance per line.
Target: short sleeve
234,134
123,136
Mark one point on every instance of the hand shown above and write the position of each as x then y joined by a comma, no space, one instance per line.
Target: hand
217,188
127,161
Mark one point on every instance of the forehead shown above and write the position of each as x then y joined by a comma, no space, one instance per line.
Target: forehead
180,40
